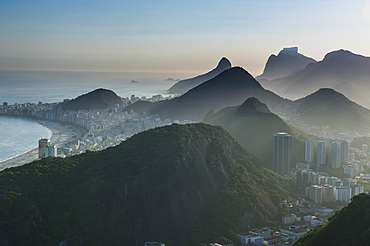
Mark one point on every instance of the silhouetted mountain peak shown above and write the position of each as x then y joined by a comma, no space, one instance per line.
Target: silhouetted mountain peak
344,56
184,85
97,99
236,75
285,63
291,50
337,53
327,93
324,95
224,63
251,106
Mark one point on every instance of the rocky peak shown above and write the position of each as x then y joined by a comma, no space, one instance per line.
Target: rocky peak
224,63
251,106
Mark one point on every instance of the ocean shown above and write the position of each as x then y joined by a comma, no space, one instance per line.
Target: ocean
21,135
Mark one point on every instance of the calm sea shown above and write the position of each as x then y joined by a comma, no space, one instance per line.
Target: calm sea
19,135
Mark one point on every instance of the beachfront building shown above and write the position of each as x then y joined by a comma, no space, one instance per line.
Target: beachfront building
51,151
43,144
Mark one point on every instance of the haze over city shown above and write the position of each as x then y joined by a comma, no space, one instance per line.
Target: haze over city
181,36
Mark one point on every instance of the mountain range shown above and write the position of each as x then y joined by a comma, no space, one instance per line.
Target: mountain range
179,184
287,62
184,85
327,107
230,88
341,70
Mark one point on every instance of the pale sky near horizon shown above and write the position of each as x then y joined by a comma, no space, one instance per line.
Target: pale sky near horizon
174,36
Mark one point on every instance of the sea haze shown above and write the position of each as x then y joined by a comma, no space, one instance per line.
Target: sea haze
19,135
51,86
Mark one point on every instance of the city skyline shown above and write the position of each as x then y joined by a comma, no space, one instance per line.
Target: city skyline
168,36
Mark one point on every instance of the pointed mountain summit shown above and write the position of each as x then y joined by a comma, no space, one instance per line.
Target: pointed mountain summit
231,87
253,125
285,63
252,106
327,107
184,85
338,68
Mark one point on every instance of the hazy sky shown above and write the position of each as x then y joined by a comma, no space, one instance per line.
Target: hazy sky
169,35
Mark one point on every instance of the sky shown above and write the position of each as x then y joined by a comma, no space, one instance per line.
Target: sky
174,36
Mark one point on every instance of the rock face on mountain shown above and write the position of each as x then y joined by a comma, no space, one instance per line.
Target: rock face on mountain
348,227
179,184
327,107
342,70
285,63
230,88
97,99
184,85
253,126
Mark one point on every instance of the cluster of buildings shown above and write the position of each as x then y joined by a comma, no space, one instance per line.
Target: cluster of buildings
267,236
47,150
321,188
338,153
105,127
333,154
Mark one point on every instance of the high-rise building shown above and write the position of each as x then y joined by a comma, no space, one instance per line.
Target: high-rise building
343,193
328,193
349,170
51,151
281,153
321,153
43,144
315,194
308,157
335,155
365,148
344,152
357,189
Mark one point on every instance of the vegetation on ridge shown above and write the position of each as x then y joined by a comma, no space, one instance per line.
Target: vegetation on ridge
182,184
349,226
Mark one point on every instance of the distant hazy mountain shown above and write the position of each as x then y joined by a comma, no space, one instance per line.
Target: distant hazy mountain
180,184
230,88
327,107
350,226
184,85
347,72
97,99
253,126
285,63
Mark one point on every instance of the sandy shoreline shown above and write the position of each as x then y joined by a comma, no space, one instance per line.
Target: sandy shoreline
61,135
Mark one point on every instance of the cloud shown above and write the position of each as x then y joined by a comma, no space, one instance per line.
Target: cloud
366,9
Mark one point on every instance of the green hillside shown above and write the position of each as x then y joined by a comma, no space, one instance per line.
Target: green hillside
253,126
348,227
180,184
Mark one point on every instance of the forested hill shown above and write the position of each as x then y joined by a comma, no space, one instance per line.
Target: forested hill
253,126
180,184
348,227
97,99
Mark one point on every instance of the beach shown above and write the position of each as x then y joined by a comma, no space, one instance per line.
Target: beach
61,134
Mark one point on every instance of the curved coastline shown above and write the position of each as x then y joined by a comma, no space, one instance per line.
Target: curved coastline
60,134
